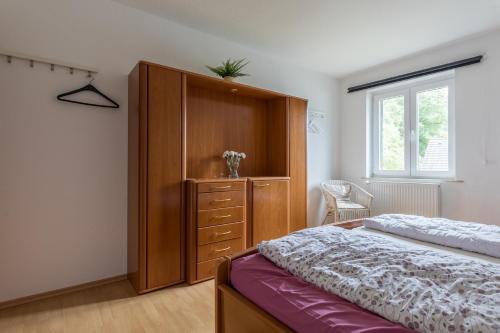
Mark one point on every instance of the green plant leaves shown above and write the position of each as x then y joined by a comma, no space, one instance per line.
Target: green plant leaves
230,68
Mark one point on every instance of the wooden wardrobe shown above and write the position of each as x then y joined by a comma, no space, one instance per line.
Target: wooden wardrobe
179,124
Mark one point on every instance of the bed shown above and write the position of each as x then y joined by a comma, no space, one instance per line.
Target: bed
253,294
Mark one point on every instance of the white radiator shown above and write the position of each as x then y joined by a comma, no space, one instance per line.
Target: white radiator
406,198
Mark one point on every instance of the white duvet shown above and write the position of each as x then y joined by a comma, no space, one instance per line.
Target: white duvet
474,237
423,289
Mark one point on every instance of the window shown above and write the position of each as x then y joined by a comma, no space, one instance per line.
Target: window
413,130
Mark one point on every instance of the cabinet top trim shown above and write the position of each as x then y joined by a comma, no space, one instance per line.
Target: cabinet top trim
196,79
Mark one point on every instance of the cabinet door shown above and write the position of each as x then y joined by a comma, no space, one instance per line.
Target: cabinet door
270,209
298,163
164,225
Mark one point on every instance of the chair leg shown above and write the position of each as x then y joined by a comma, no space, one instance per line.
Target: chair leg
325,218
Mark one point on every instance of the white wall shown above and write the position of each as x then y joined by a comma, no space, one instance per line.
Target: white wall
63,166
477,90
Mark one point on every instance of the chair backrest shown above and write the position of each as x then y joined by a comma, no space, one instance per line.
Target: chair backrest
357,194
336,182
327,191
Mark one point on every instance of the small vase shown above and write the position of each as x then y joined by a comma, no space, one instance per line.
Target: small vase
228,78
233,166
233,173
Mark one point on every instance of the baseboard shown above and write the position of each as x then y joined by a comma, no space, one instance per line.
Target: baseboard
62,291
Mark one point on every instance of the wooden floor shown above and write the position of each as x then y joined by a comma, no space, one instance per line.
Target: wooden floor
116,308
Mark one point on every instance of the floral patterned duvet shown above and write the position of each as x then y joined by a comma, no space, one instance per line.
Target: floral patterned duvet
424,290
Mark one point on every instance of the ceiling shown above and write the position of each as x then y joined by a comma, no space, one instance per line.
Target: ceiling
335,37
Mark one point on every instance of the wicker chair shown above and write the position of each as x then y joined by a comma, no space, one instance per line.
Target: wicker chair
345,201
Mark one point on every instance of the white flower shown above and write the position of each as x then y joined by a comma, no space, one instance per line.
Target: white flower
231,155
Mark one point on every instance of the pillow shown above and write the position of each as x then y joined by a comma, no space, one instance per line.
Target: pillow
469,236
341,192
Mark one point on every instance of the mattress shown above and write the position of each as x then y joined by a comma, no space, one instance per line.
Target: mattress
306,308
299,305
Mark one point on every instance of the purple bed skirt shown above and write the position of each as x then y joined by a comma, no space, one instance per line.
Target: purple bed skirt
300,305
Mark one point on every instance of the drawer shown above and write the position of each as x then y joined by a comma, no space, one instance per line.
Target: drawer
221,187
213,217
219,233
219,249
206,269
216,200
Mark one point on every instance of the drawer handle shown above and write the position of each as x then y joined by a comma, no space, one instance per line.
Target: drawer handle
220,217
224,249
223,233
262,185
221,200
222,187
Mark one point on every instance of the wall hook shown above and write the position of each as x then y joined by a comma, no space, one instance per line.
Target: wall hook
31,60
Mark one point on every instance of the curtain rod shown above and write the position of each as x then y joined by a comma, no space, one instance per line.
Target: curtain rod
422,72
52,63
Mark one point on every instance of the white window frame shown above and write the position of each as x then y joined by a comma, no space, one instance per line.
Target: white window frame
377,121
409,91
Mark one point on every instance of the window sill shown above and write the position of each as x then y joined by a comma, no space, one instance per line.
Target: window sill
411,180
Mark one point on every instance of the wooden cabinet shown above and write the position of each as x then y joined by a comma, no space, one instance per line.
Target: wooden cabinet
216,224
155,226
225,217
180,123
269,209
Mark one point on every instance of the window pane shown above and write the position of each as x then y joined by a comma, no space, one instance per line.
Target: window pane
432,115
393,134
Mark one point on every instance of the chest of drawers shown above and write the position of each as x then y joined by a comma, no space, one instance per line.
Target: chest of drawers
216,215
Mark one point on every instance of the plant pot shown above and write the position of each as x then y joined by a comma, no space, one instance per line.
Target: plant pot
229,78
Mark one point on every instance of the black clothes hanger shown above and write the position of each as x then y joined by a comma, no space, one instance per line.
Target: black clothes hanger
91,88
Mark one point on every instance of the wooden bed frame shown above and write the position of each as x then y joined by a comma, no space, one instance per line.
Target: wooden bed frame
234,312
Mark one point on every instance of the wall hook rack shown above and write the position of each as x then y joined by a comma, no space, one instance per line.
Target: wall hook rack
52,63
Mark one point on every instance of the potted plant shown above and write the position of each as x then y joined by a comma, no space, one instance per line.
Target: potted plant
230,69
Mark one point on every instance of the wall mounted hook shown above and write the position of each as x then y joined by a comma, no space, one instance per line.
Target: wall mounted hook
31,61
